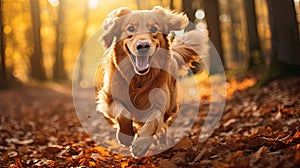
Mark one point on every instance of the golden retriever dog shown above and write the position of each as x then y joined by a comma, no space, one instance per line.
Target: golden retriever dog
139,93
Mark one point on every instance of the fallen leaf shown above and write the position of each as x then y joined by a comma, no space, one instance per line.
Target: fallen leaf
164,163
257,155
183,144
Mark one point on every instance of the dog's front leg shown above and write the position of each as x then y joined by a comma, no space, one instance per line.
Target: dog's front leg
125,132
144,138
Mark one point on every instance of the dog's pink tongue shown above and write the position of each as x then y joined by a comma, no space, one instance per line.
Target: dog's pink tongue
142,63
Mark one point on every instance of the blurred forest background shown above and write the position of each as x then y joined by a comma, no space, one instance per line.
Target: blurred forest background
41,39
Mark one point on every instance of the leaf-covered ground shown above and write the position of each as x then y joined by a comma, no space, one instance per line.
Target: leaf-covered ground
259,128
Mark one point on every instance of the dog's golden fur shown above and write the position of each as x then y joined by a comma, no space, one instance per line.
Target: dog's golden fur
146,113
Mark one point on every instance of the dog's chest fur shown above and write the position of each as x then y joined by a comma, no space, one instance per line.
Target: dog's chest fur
138,89
141,86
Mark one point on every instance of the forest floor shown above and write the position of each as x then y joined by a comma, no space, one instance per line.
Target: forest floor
259,128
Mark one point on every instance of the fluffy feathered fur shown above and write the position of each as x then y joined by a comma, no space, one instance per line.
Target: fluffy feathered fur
140,100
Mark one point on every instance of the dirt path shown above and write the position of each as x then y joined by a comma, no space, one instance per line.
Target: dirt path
259,128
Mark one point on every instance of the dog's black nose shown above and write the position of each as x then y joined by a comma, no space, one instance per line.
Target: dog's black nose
142,47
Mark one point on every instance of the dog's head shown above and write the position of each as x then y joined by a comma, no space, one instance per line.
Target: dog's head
140,33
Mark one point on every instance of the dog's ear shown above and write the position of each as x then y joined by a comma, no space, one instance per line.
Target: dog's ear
176,21
111,25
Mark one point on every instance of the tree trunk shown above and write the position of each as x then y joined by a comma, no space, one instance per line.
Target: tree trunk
235,20
285,33
211,8
58,67
36,60
83,39
187,8
3,81
285,37
285,51
172,4
256,58
138,4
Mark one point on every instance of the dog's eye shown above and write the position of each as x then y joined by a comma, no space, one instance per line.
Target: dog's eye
153,29
131,29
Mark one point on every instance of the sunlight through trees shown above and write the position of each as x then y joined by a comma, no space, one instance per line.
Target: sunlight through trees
42,39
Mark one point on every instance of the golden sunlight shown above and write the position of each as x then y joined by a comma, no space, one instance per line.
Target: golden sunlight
93,4
200,14
54,3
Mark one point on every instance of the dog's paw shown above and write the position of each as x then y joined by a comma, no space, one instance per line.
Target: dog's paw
140,146
162,138
124,139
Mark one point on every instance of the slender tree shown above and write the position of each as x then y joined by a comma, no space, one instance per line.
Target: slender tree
211,8
172,4
285,53
235,20
138,4
2,60
58,67
256,57
83,39
36,60
189,10
187,7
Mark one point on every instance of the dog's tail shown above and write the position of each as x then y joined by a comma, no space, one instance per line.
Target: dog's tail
189,48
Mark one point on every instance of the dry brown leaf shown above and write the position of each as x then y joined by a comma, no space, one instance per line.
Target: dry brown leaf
257,155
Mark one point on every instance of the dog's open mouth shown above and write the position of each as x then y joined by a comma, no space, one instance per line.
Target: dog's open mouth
141,63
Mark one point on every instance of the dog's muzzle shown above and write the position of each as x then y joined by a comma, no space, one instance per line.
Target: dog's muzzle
142,61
